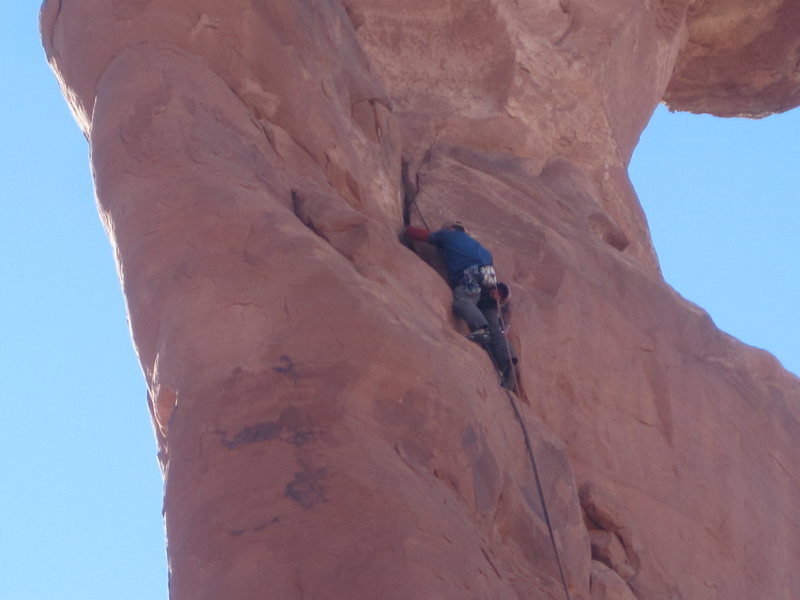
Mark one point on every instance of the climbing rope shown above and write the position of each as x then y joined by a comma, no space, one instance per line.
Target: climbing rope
517,414
532,458
421,216
529,448
409,198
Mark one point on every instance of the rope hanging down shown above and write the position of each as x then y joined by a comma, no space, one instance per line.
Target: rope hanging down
525,435
532,457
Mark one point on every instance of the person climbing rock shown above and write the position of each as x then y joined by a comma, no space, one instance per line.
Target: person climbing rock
476,292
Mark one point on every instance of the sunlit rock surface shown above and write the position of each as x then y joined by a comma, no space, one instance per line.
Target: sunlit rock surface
324,429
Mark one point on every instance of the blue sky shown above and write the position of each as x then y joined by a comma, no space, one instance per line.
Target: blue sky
80,509
721,198
81,503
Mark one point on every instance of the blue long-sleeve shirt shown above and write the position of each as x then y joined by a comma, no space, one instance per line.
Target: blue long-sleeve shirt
460,251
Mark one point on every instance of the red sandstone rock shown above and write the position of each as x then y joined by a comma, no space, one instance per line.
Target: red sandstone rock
608,585
324,429
740,59
607,548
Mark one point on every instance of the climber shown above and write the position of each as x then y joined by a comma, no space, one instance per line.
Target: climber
477,295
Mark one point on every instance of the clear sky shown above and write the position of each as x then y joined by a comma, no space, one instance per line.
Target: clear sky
80,509
721,198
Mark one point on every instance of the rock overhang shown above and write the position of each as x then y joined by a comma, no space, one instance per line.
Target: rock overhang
740,59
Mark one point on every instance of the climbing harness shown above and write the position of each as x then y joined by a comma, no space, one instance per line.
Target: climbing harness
478,277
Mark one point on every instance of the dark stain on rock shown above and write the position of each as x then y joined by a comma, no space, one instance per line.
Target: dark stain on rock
470,439
292,426
307,487
263,526
256,529
287,365
301,438
260,432
484,468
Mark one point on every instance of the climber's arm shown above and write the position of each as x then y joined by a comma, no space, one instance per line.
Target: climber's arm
418,233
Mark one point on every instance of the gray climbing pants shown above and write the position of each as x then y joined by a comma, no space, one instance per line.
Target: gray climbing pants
465,305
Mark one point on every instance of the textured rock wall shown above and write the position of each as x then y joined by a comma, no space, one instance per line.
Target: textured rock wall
324,429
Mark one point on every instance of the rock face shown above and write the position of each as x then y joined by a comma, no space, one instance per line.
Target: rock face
740,60
324,429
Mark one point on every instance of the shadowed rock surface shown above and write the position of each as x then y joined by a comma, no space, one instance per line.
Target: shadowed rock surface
324,429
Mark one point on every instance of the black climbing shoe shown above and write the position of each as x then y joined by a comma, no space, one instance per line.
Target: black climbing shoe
480,336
